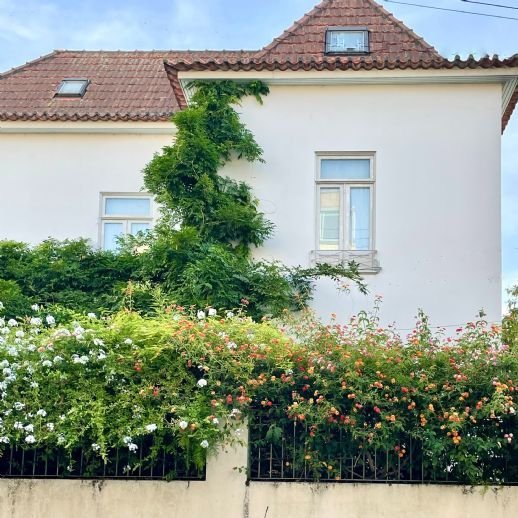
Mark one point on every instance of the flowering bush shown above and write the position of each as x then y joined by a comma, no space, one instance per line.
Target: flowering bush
186,381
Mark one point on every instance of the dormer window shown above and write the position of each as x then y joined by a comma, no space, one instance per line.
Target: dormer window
72,88
347,40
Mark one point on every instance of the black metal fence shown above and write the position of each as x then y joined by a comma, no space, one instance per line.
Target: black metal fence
22,462
285,455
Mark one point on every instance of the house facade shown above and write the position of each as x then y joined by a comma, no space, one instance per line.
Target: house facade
376,149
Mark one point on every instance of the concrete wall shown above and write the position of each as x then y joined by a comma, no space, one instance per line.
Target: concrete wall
225,494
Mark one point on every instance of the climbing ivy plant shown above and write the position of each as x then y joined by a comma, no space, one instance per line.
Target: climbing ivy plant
219,216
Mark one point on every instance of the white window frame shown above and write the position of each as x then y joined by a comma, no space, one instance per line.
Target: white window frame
125,219
344,187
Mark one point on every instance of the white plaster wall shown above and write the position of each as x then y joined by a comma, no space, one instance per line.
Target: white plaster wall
437,190
51,182
437,187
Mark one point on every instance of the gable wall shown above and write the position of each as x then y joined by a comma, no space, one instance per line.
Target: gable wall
437,189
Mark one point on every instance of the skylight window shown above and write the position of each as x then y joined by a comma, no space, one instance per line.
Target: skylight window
347,40
72,88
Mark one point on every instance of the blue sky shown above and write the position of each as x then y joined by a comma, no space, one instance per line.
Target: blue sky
30,28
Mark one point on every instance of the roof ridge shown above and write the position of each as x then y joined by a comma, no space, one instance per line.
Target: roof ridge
19,68
402,26
287,32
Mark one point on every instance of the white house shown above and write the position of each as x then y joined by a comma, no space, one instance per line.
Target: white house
377,149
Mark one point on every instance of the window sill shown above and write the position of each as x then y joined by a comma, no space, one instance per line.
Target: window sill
367,260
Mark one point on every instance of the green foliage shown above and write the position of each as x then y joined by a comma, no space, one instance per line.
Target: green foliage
185,178
510,320
199,254
181,380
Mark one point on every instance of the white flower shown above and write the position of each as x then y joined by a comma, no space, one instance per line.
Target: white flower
18,426
7,371
12,322
212,312
1,305
512,411
150,428
79,330
215,420
35,321
29,428
204,444
50,426
41,412
57,359
4,363
230,314
19,406
34,384
4,440
98,342
128,341
50,320
132,446
46,363
183,425
19,334
200,315
232,345
61,438
202,382
101,355
92,316
127,439
30,439
235,412
35,307
95,446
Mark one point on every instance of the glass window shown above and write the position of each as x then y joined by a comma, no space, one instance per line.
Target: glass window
360,218
124,215
111,231
127,206
347,41
345,187
345,169
72,87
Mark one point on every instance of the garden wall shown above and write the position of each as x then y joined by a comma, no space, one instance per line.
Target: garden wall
225,494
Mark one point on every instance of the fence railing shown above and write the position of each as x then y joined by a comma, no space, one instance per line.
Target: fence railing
22,462
283,455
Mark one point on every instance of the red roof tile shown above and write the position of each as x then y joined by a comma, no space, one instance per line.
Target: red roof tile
389,38
133,86
123,86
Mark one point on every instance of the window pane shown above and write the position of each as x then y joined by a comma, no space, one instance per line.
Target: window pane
346,41
345,169
360,224
111,232
72,87
128,206
139,227
329,218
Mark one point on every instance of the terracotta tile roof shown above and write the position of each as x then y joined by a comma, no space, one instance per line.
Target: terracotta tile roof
132,86
123,86
390,38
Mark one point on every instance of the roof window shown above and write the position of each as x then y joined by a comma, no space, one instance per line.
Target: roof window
72,88
347,40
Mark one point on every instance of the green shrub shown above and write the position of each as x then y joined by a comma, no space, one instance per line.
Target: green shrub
188,380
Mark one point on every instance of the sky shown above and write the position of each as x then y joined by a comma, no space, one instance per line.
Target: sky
31,28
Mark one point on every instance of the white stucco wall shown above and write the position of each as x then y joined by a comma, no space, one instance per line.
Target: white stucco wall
51,182
437,208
